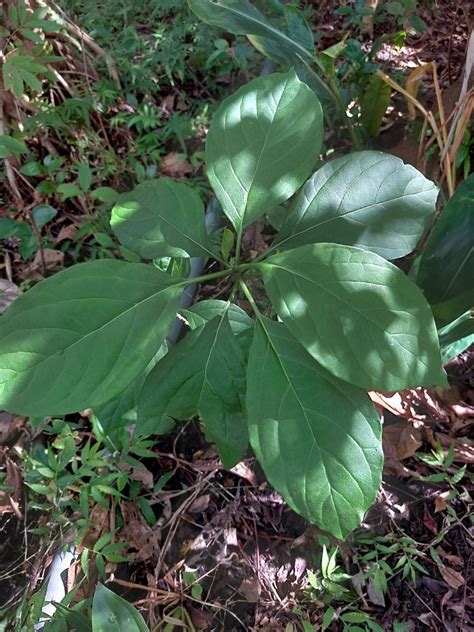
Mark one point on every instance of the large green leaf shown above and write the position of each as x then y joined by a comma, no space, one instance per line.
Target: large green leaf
290,42
457,336
446,271
262,144
366,199
317,439
357,314
161,218
120,411
80,337
202,375
111,613
242,18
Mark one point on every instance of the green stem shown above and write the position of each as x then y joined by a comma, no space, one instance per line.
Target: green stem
205,277
249,297
243,267
238,246
337,95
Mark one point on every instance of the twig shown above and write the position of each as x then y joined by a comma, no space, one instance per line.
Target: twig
74,30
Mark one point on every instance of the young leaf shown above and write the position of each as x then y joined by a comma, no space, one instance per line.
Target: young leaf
357,314
366,199
161,218
104,194
80,337
10,146
43,213
84,176
203,374
68,190
204,311
374,104
111,613
446,268
262,144
317,439
457,336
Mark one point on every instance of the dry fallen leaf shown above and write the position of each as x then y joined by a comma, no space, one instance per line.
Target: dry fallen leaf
452,577
8,293
453,559
200,504
250,588
53,261
175,165
66,232
10,427
404,439
441,501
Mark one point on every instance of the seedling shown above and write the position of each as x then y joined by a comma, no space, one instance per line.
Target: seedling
295,389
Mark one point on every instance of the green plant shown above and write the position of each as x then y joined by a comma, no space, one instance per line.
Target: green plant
107,612
67,476
342,76
24,50
350,320
448,257
405,550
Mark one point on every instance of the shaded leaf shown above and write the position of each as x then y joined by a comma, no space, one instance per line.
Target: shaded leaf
43,213
317,439
111,613
161,218
445,270
357,314
457,336
84,176
80,337
202,375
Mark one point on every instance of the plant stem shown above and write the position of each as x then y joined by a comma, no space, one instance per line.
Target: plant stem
249,297
205,277
243,267
238,246
350,126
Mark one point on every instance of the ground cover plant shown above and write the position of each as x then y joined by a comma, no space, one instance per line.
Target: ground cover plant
350,320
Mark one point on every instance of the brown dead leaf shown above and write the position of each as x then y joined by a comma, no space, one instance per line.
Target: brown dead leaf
441,501
451,577
53,261
404,439
142,538
400,441
244,471
429,521
10,427
139,473
99,524
251,589
8,293
66,232
10,497
453,559
175,165
200,504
